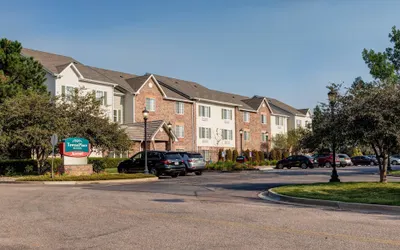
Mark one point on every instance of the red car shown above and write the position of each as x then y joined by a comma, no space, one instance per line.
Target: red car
326,160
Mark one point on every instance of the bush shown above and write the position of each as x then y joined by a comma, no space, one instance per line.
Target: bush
235,154
247,154
29,166
228,154
220,154
274,154
261,156
98,166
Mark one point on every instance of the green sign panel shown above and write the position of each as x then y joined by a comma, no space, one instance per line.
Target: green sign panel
75,144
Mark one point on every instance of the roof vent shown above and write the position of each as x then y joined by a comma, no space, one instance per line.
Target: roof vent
176,82
75,62
195,86
121,76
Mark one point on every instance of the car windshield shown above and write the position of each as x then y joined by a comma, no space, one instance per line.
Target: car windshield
198,156
172,156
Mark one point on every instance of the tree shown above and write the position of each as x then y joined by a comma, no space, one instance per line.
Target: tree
294,138
280,141
28,121
88,120
18,73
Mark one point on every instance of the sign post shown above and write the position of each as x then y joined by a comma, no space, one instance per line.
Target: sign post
54,140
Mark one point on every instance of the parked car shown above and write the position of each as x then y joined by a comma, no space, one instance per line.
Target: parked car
394,160
326,160
364,160
158,163
302,161
345,160
241,159
194,162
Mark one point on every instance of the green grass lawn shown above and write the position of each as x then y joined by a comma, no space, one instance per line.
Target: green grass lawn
395,173
93,177
111,170
362,192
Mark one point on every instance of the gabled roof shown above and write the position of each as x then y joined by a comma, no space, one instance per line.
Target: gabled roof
135,131
137,82
52,62
304,111
280,105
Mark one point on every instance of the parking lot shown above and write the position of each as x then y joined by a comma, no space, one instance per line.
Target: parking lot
212,211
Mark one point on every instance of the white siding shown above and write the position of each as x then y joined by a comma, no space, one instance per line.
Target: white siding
50,83
303,120
70,78
278,129
129,108
216,123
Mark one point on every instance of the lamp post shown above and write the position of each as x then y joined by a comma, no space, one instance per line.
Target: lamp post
145,116
332,95
266,140
241,141
169,129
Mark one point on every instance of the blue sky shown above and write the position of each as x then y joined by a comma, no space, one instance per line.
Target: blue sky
289,50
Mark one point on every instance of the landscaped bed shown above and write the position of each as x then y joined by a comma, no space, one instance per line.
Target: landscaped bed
93,177
357,192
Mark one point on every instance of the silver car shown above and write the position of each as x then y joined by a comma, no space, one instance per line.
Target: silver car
345,160
194,162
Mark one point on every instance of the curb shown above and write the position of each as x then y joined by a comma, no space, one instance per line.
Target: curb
275,197
88,182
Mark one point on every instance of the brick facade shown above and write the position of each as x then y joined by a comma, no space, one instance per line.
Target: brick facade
166,110
255,127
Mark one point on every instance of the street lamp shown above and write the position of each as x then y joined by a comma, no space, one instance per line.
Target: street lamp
332,95
241,141
169,129
145,117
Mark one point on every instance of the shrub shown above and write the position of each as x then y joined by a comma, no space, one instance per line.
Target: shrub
235,154
261,156
220,154
108,162
228,154
15,167
274,154
98,165
247,154
356,152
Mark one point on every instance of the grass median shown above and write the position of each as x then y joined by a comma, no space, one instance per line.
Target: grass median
358,192
395,173
93,177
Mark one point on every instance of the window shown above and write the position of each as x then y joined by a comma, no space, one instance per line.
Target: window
179,131
226,114
227,134
279,121
307,123
246,117
263,137
246,135
204,133
102,97
204,111
137,156
298,122
67,91
206,155
179,108
118,115
263,119
150,104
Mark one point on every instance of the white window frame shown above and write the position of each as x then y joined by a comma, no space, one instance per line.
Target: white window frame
279,120
101,96
180,131
226,114
263,136
227,134
204,111
150,104
180,108
246,116
206,155
115,115
263,119
298,123
204,133
246,135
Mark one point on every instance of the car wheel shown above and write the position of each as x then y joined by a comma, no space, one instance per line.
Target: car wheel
328,164
154,171
288,167
372,163
280,166
174,175
198,173
184,173
303,165
394,163
122,170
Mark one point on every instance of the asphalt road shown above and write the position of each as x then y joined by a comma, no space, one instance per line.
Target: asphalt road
212,211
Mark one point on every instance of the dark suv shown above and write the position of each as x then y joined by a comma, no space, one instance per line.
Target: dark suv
158,162
194,162
301,161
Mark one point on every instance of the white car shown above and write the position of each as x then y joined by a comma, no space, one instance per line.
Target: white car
394,160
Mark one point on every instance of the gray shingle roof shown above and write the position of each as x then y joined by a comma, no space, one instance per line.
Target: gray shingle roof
284,106
117,77
303,111
50,61
135,131
136,82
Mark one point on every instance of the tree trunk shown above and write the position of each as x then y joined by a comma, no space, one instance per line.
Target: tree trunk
383,169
